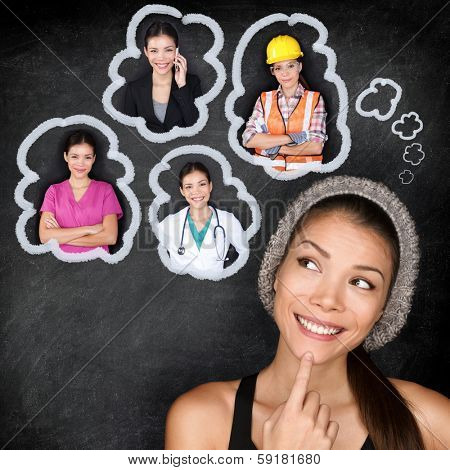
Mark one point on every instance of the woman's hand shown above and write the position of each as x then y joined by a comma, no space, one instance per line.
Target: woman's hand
93,229
51,222
301,422
180,70
307,148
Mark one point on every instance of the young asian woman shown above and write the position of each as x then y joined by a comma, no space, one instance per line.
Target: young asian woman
80,213
338,278
287,126
198,236
165,96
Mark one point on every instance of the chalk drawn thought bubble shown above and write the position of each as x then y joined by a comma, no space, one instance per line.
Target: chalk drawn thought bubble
414,154
406,177
132,51
330,75
31,177
399,124
373,90
162,197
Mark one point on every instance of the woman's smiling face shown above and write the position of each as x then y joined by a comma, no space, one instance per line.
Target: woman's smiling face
80,159
161,52
196,189
331,287
287,72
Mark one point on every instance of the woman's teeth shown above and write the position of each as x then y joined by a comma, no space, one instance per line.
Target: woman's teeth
315,328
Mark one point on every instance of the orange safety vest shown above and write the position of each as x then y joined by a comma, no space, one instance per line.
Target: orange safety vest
299,120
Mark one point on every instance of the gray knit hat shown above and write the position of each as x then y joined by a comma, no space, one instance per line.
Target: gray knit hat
399,303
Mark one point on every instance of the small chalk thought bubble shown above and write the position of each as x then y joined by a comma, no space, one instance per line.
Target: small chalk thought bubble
406,177
373,89
398,127
414,154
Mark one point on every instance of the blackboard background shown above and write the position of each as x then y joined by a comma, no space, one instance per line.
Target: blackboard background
166,334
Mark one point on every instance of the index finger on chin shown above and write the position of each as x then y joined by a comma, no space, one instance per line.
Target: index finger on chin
300,387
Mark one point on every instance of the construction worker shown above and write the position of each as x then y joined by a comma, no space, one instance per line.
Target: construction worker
288,124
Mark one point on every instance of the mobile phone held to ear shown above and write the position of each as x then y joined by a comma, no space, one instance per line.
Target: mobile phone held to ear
176,56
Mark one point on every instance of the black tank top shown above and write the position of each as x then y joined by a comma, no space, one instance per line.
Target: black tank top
241,430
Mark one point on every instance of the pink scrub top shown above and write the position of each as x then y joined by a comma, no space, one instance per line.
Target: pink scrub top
98,200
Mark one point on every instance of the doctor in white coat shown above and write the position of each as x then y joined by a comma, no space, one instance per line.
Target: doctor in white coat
198,237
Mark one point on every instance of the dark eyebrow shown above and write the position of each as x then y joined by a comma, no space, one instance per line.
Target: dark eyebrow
201,181
369,268
327,255
317,247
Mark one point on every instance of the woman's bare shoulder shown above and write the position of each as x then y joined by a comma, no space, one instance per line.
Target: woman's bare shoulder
216,395
202,417
431,410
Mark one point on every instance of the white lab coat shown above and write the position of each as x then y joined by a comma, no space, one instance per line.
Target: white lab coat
205,260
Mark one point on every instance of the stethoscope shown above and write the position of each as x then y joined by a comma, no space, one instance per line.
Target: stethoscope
217,229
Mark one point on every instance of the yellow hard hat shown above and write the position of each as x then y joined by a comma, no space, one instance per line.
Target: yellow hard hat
283,48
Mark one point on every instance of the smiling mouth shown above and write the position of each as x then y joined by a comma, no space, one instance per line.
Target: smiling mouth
319,329
197,199
162,66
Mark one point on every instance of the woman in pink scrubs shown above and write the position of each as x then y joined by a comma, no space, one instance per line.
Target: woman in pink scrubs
80,213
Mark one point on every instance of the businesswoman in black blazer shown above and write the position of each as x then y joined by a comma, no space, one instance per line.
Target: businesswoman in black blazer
165,96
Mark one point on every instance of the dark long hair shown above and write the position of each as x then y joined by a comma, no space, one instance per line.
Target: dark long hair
301,78
160,28
384,411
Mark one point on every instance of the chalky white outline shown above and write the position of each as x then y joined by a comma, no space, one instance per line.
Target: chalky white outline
132,51
373,89
419,150
329,75
162,197
406,171
31,177
402,121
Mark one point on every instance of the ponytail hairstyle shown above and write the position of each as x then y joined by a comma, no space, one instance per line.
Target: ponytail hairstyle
301,78
384,411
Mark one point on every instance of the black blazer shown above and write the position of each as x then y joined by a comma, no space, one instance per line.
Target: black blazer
181,110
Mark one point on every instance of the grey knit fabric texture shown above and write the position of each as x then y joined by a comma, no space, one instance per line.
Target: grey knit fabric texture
399,303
